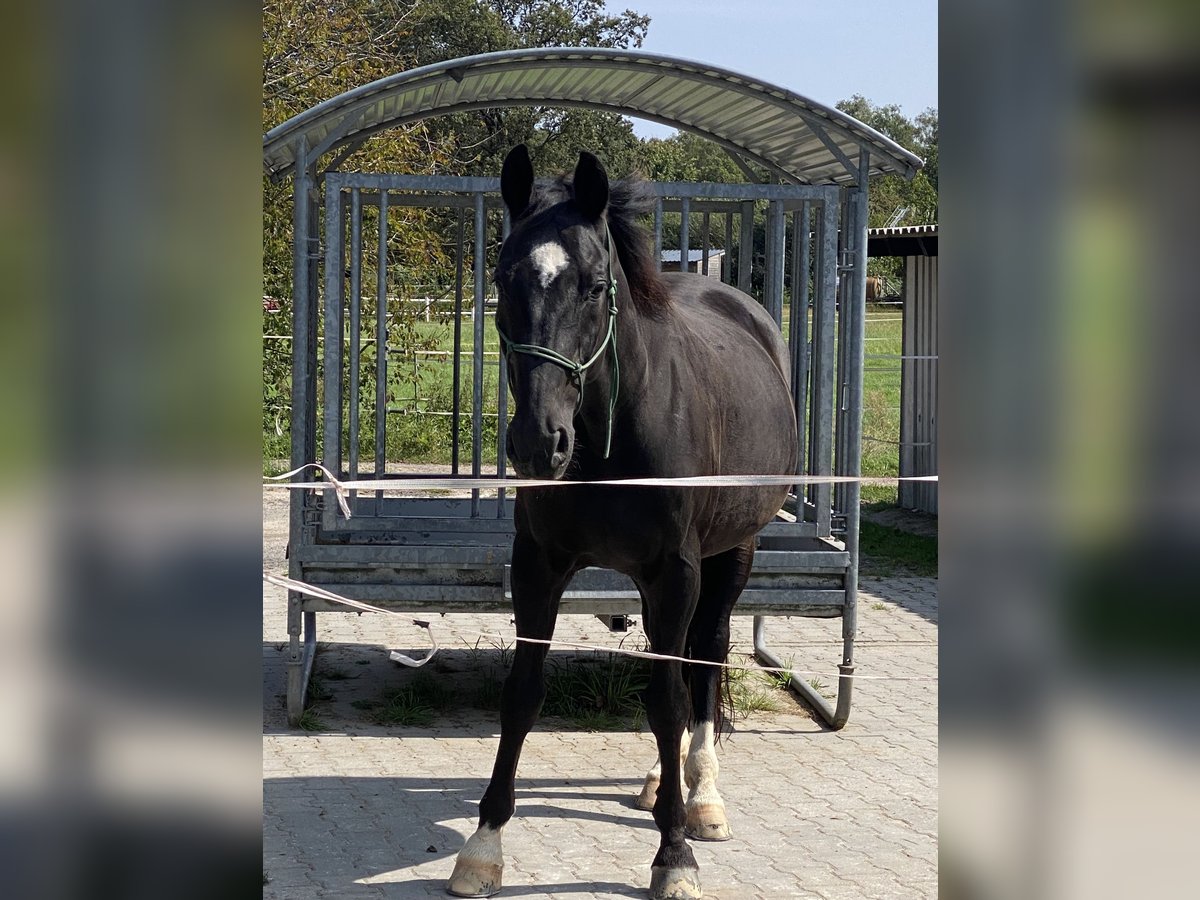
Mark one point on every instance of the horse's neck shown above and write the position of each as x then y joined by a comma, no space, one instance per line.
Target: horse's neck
637,377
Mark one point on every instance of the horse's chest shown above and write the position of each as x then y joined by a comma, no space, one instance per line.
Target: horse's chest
611,527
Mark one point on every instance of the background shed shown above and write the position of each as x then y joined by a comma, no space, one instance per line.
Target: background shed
696,262
918,246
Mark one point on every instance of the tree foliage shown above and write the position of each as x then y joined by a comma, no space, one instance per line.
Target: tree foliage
920,136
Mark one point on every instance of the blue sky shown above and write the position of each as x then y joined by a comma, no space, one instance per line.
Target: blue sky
827,50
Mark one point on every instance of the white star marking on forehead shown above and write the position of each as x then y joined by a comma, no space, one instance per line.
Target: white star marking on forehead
549,259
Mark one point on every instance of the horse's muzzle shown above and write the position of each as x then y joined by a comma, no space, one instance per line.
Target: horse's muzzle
539,452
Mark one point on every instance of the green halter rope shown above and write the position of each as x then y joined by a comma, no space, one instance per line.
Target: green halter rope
577,369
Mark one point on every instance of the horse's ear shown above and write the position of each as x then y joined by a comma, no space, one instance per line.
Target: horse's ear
516,180
591,186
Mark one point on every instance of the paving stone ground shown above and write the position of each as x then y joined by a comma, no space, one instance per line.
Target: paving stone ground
364,810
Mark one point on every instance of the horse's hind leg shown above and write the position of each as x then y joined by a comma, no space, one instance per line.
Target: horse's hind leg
670,598
537,586
722,578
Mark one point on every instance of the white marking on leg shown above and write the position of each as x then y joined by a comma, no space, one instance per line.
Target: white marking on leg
701,768
705,809
649,792
480,864
549,259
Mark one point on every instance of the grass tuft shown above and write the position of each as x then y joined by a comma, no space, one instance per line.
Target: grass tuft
414,704
751,691
310,720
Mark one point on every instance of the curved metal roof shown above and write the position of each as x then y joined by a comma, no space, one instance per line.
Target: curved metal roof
793,137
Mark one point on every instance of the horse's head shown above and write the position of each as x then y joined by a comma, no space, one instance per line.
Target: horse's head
557,307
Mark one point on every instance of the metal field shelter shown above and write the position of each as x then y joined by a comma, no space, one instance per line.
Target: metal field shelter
448,553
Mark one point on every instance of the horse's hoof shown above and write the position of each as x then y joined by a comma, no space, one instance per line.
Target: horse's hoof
645,800
674,883
472,878
707,822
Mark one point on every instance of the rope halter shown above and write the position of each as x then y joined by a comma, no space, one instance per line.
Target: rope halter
576,369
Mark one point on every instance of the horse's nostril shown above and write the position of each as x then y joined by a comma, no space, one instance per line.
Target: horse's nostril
564,442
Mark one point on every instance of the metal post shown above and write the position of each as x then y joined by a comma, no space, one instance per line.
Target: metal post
381,343
845,255
456,396
303,365
765,656
704,243
355,327
685,206
727,256
332,359
658,223
776,253
821,416
477,353
746,247
798,331
302,362
857,301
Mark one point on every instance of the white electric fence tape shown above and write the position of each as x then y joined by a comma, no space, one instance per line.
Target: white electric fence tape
314,591
343,488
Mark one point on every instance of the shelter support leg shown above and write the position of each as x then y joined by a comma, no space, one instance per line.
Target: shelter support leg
835,716
302,649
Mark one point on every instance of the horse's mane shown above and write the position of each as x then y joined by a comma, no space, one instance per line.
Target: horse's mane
627,200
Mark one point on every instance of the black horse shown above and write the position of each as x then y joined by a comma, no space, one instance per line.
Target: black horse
619,371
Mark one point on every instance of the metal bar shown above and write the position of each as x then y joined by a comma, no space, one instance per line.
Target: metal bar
685,213
834,718
332,360
456,403
833,148
477,352
727,256
342,129
342,156
658,223
381,332
746,247
778,253
824,315
453,184
858,303
355,327
704,223
751,176
302,363
398,198
798,329
502,402
839,441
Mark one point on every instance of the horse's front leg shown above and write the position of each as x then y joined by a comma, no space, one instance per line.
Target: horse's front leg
537,585
670,600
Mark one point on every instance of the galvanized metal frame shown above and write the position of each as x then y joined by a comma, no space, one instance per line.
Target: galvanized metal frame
450,554
742,114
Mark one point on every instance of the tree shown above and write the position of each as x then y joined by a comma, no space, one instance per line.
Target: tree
892,193
476,142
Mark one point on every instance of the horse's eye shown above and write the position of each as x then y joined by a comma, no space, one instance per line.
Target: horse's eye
596,289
